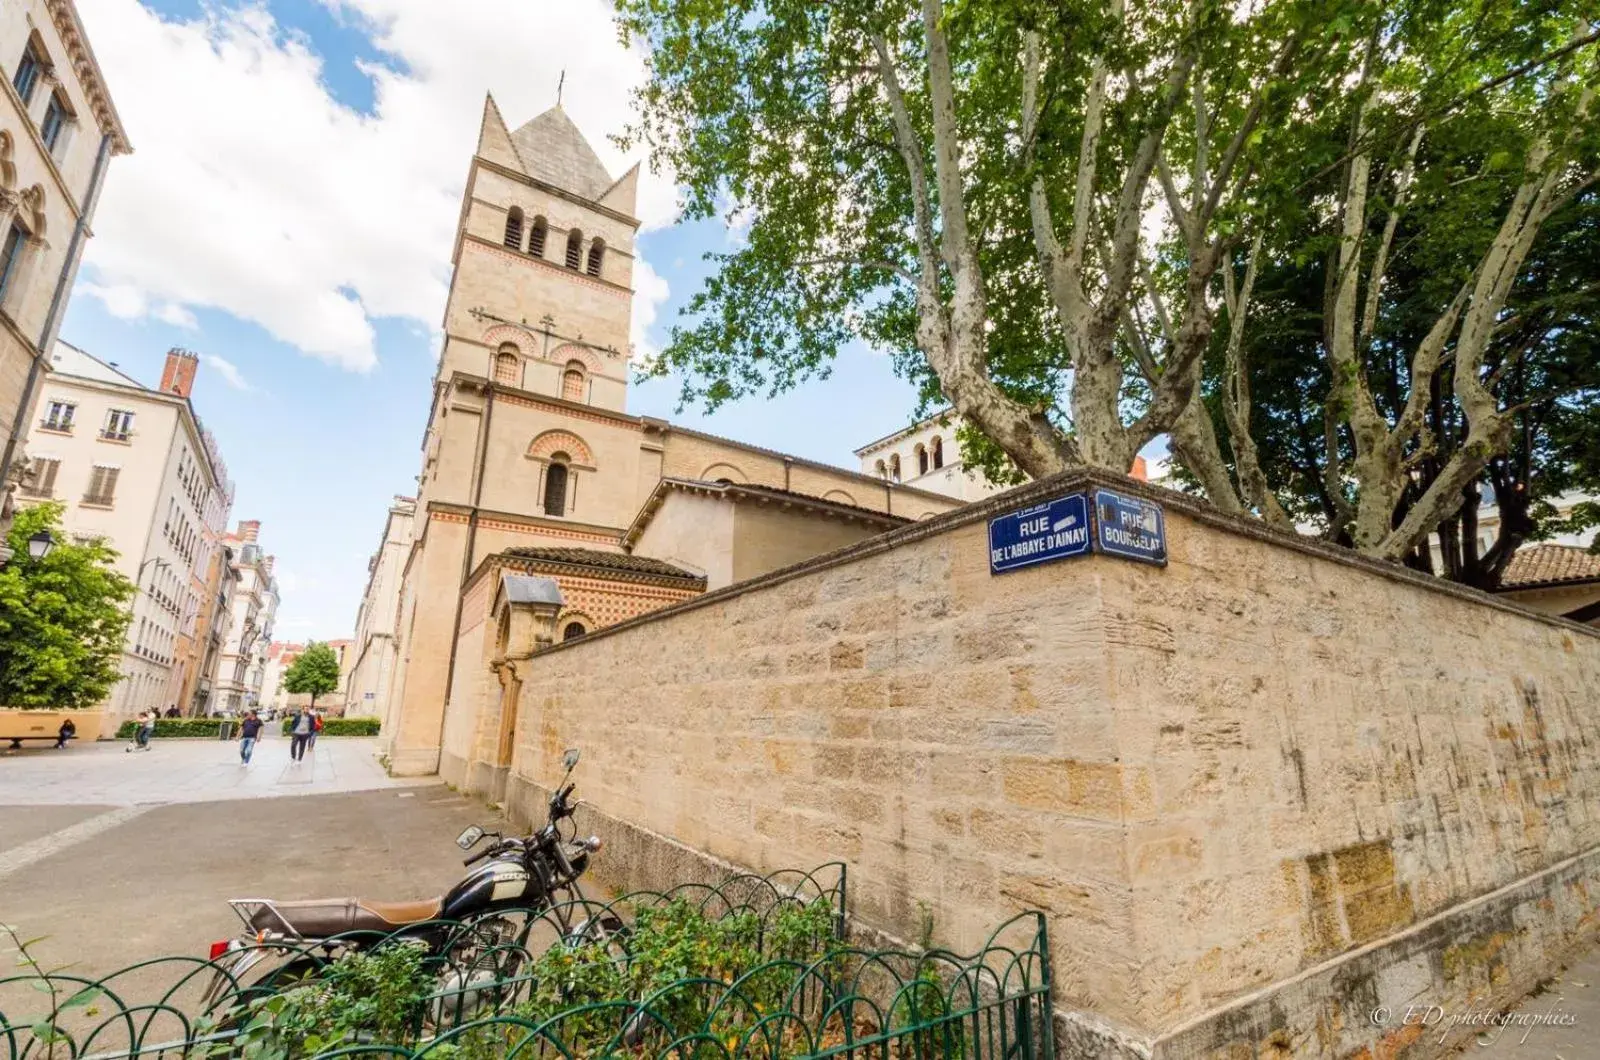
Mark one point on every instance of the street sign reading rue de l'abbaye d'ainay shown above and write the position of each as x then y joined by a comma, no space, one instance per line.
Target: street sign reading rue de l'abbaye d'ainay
1117,524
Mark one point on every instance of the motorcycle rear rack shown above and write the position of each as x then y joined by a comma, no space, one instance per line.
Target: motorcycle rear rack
247,908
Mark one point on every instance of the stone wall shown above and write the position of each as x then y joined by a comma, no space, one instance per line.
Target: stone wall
1260,791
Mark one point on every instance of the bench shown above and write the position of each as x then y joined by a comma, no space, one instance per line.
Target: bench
16,741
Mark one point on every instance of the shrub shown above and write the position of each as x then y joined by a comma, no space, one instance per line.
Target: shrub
174,727
373,996
341,726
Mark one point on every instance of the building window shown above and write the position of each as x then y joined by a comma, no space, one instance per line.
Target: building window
536,237
11,257
574,249
119,425
894,467
505,366
938,452
58,416
597,253
922,460
514,228
55,119
28,71
573,631
572,381
882,469
555,486
41,481
102,486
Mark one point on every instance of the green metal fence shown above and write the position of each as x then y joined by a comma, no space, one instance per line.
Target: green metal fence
767,973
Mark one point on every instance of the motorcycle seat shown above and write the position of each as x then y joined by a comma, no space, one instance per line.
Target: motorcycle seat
325,917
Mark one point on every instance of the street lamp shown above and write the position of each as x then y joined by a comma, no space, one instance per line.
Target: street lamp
40,544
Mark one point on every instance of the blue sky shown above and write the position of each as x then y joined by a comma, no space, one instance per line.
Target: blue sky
265,219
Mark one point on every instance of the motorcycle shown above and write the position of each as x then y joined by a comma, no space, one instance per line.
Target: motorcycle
477,931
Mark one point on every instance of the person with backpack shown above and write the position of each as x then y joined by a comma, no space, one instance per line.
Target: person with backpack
249,732
316,726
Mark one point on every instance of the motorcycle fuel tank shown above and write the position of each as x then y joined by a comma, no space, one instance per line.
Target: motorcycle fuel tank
502,883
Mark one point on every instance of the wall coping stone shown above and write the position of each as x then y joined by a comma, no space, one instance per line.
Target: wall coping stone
1191,506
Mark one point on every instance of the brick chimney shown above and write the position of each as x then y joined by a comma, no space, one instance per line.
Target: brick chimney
249,530
178,376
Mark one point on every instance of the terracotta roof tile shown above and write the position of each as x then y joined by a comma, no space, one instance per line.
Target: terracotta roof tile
589,557
1550,565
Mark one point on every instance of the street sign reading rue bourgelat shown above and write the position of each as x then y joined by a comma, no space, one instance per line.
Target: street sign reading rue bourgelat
1131,527
1050,531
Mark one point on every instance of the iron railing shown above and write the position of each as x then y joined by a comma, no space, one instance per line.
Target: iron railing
499,993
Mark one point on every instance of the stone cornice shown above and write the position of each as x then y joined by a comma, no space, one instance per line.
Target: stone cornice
759,495
64,13
560,193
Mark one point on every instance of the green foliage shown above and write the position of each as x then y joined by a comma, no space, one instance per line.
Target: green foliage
315,672
378,995
777,114
63,619
175,727
672,951
341,726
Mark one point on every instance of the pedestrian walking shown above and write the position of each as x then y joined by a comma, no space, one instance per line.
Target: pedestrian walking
249,732
65,733
316,726
301,729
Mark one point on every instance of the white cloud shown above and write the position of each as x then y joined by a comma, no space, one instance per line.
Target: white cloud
123,301
650,290
254,191
228,371
176,315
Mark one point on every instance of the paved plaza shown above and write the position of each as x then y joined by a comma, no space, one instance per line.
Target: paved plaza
106,773
117,857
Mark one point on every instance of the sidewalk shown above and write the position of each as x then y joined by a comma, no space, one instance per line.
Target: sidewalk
172,771
1562,1022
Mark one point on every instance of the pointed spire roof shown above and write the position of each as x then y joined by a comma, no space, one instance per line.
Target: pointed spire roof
554,151
494,142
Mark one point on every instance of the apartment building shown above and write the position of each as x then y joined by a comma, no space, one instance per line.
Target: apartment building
58,131
132,465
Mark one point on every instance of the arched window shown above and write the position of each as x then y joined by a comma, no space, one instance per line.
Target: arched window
536,236
922,460
505,365
938,452
597,253
573,631
882,469
894,466
514,228
555,485
574,249
572,381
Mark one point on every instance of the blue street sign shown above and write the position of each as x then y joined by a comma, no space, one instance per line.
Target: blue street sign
1131,527
1045,532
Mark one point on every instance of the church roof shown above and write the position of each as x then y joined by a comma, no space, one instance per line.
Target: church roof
589,557
553,150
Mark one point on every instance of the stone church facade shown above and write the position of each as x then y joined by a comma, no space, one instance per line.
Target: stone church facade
532,463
